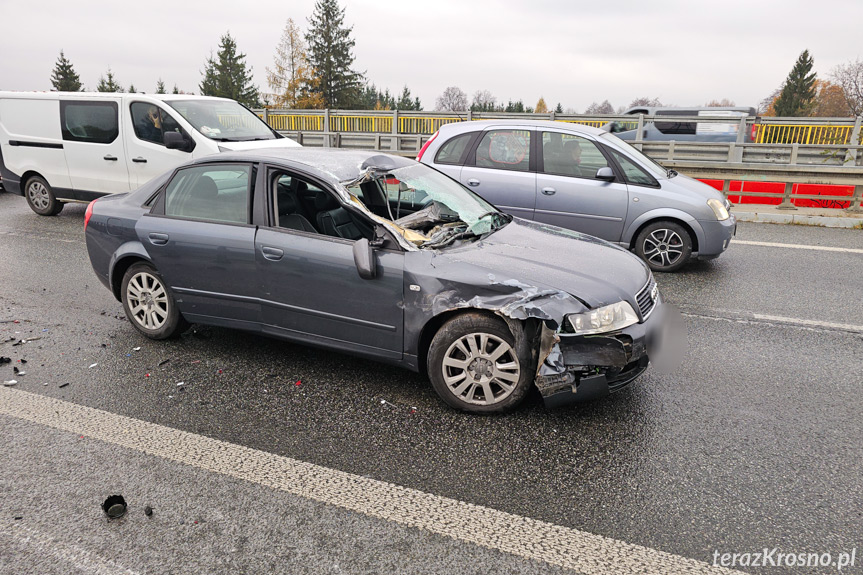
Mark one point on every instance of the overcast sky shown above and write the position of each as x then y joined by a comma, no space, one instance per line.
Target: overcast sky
572,52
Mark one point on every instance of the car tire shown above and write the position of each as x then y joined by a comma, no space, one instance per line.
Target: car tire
474,365
149,303
41,198
664,246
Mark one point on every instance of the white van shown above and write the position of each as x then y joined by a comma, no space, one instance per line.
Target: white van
58,147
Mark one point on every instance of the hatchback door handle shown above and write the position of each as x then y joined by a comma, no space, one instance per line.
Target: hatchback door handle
549,191
140,160
110,158
272,254
158,239
473,182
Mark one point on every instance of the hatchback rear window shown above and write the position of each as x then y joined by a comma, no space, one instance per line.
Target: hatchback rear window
453,151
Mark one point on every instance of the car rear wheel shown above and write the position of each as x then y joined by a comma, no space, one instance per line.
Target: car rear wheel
664,246
149,303
41,198
474,366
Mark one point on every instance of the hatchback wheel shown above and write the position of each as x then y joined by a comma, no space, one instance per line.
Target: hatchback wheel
474,366
665,246
41,198
149,304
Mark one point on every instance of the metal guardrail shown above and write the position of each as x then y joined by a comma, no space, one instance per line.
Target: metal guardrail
781,163
767,130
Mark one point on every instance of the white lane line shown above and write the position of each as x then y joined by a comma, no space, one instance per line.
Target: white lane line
735,315
808,322
70,554
797,246
521,536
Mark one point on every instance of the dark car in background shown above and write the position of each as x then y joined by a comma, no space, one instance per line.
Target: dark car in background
384,258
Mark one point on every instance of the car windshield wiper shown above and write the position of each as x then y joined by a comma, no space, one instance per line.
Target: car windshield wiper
506,218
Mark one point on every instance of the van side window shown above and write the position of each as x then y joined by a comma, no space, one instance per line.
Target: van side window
504,150
216,193
151,122
633,173
93,122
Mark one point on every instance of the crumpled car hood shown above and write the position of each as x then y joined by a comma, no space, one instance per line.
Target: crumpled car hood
594,271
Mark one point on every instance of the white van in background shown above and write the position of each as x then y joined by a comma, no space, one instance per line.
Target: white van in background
58,147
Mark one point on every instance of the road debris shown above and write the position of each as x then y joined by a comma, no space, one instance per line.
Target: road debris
92,365
148,511
18,371
64,384
385,402
299,383
114,506
136,348
164,361
181,383
10,383
5,360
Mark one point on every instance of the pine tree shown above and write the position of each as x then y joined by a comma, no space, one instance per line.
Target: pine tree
160,87
330,47
558,109
175,90
63,77
132,89
798,94
291,78
108,85
405,102
226,75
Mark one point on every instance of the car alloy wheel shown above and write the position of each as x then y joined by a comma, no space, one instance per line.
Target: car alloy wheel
663,247
481,369
148,300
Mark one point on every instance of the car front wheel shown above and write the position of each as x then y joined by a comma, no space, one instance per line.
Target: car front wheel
41,198
664,246
474,366
149,304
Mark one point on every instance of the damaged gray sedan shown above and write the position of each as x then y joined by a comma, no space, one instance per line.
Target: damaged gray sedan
381,257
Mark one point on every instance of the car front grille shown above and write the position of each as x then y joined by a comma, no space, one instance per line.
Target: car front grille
646,303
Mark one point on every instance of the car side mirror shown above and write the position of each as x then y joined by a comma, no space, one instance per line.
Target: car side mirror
605,173
364,258
176,141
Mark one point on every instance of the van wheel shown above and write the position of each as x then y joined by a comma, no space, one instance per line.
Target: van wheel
41,198
474,365
664,246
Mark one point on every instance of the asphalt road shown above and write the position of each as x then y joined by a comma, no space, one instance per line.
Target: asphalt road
755,442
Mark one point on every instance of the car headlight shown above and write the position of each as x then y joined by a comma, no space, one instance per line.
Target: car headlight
608,318
718,208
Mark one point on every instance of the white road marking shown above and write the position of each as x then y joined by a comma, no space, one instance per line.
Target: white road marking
797,246
570,548
809,322
742,316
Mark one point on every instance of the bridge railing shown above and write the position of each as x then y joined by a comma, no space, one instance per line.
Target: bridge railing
766,130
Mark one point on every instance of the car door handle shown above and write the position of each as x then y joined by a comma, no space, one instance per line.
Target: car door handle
549,191
473,182
158,239
140,160
110,158
272,254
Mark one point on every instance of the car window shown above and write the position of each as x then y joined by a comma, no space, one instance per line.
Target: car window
453,150
217,193
93,122
504,150
571,155
633,173
151,122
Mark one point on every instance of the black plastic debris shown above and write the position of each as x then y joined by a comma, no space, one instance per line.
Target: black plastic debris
23,360
164,361
5,360
64,384
15,370
114,506
18,517
148,511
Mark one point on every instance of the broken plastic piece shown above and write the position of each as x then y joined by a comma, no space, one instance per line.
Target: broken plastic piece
299,383
136,349
5,360
181,383
146,375
22,360
64,384
93,365
114,506
10,382
164,361
148,511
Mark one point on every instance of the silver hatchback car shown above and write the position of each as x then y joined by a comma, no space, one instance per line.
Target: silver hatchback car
587,180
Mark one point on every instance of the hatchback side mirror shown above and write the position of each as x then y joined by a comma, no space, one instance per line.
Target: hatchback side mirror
364,258
606,174
176,141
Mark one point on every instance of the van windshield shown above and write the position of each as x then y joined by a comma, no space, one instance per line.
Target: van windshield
223,120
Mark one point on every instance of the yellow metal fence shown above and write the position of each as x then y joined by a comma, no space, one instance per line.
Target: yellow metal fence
824,134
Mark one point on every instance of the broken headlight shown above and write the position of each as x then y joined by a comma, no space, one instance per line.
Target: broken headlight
608,318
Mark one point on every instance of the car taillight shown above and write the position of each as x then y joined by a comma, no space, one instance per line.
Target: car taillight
423,149
88,214
754,134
